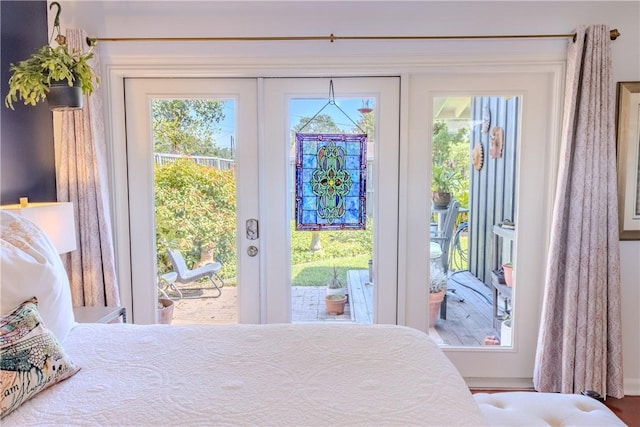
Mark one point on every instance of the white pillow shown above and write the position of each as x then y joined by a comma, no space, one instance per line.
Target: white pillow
31,267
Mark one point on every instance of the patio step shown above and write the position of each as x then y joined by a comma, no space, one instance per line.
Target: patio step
360,296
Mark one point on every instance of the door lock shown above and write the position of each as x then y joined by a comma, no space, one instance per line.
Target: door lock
252,229
252,251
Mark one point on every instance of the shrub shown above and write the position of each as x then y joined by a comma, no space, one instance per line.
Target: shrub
195,212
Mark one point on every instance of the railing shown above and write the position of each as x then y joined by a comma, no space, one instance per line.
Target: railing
216,162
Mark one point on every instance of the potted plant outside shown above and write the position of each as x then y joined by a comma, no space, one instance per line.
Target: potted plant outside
445,180
165,311
335,299
508,274
49,71
335,286
437,289
335,303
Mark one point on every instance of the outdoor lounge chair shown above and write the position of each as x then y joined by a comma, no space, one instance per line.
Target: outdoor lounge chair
186,275
167,288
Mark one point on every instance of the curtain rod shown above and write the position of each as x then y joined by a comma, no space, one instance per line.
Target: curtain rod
614,34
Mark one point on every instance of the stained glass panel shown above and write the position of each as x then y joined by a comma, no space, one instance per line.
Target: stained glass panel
331,181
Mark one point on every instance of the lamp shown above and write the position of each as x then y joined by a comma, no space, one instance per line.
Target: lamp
54,218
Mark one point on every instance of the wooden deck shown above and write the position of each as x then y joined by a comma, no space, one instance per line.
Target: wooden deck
469,314
360,296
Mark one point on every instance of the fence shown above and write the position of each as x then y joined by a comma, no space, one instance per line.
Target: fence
216,162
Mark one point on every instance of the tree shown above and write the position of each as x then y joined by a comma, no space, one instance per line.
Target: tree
322,123
187,126
366,123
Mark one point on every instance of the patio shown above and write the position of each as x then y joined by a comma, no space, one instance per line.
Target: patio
468,320
307,303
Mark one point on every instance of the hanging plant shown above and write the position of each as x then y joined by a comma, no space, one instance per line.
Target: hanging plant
56,74
32,78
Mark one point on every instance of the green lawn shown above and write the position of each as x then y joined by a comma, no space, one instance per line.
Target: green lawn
318,273
343,249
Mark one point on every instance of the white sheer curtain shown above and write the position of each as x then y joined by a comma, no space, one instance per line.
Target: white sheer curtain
580,340
82,179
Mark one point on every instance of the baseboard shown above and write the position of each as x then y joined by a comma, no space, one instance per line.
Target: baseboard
632,386
499,383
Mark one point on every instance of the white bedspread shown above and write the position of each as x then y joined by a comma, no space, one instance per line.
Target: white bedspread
267,375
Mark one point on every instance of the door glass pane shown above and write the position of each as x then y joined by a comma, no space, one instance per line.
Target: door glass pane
473,217
195,207
332,261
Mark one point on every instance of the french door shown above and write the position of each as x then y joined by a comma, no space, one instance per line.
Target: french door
282,105
151,109
262,165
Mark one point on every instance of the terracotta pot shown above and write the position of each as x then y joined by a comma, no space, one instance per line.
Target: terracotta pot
435,299
335,303
165,313
508,274
491,340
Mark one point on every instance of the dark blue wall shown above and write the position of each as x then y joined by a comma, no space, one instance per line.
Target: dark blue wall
26,149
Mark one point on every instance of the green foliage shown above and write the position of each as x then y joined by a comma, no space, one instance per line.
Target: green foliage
445,178
322,123
335,244
195,212
187,126
30,78
450,162
335,282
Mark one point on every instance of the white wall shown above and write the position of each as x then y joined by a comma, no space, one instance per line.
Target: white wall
241,18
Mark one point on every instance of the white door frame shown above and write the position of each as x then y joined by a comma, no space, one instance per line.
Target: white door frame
274,166
535,172
140,93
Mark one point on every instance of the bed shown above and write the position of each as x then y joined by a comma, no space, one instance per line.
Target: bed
276,374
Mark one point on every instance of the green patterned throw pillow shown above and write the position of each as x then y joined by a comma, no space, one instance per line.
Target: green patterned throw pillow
31,359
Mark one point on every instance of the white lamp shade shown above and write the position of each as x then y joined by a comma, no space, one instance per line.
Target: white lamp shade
54,218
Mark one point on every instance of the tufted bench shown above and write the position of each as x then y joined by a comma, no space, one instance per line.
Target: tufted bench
521,408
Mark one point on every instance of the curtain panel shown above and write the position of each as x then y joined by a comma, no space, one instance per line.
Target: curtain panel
580,339
82,179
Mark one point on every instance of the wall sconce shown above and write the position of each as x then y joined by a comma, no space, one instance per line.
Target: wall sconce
54,218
